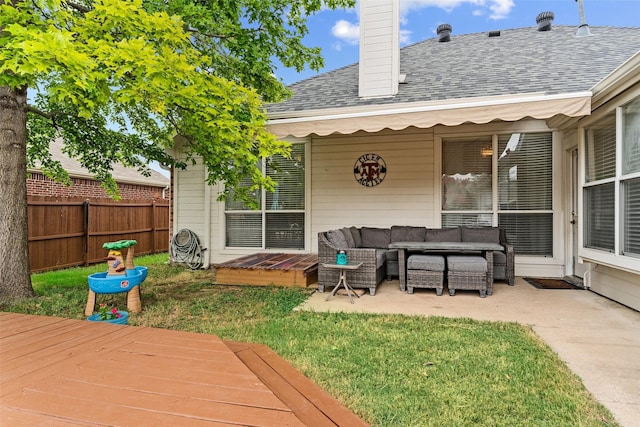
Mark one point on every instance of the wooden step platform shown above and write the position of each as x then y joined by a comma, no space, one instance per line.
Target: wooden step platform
57,372
269,269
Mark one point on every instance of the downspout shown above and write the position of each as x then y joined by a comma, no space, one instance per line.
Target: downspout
586,279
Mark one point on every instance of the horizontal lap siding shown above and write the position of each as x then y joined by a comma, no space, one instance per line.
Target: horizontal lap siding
616,284
405,197
189,202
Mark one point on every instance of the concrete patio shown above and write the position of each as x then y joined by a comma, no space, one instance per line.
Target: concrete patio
598,339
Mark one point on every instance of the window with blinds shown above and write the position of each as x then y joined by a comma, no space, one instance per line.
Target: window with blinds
599,190
611,192
600,150
599,217
280,221
631,138
466,174
524,205
631,179
631,227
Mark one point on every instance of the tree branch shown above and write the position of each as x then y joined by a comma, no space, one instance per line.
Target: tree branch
34,110
80,8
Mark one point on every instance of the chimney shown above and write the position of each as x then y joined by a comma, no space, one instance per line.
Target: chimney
544,21
444,32
583,29
379,70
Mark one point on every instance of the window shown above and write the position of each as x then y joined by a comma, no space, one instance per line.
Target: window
612,188
280,221
631,179
522,204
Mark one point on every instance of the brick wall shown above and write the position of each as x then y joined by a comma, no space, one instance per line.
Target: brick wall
40,185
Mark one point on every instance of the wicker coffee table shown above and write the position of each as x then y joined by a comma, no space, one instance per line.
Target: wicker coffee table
342,282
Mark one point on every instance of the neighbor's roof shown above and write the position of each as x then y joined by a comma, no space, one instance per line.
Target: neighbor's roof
518,63
120,173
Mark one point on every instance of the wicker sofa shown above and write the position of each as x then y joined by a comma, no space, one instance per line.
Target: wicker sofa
370,246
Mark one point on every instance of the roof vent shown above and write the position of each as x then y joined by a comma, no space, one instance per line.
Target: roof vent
544,21
494,33
444,32
583,29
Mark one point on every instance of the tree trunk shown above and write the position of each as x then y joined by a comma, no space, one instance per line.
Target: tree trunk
15,274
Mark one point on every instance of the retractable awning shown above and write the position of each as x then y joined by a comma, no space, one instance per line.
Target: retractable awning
428,114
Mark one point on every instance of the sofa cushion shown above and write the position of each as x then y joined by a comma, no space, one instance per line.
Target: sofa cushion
355,232
443,235
481,234
375,237
381,257
336,238
499,258
348,237
406,233
426,262
392,255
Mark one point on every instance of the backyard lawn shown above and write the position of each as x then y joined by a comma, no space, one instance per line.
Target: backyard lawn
391,370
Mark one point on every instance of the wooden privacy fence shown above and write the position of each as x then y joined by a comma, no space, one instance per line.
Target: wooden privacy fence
70,232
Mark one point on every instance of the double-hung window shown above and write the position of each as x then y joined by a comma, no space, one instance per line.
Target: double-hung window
279,223
504,180
611,191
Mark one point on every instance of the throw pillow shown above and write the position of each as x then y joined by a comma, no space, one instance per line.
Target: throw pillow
336,238
355,232
348,237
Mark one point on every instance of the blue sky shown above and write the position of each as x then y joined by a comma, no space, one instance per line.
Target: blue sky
337,32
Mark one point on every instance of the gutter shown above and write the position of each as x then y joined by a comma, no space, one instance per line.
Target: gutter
415,107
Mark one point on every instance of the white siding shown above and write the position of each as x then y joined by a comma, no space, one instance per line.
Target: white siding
615,284
379,66
189,201
405,197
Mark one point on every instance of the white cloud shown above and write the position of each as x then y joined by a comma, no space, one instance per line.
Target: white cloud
346,31
405,37
499,9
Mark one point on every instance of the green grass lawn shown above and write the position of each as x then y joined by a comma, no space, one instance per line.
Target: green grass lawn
391,370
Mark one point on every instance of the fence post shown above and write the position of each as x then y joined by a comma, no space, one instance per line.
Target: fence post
86,231
153,227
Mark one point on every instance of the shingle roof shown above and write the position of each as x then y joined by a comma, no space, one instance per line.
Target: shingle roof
519,61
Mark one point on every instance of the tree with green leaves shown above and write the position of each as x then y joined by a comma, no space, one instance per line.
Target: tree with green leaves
121,80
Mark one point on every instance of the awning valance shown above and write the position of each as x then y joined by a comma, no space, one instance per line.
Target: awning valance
426,115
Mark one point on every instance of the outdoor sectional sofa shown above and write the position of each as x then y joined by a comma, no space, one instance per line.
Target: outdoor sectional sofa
371,247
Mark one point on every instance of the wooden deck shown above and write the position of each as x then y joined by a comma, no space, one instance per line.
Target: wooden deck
58,372
264,269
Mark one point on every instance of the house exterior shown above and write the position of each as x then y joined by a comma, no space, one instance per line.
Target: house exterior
532,129
131,184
